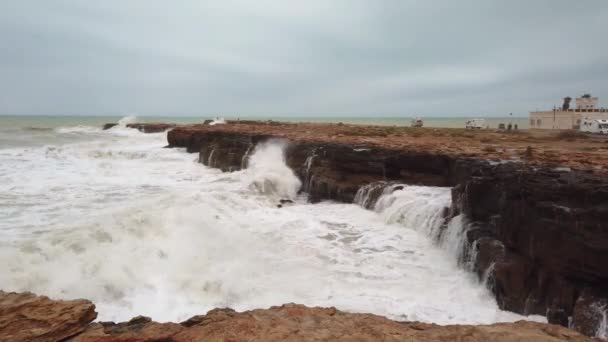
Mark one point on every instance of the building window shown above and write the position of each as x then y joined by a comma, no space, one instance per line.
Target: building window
531,122
538,122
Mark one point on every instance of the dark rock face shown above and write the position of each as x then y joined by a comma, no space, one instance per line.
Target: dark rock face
151,127
328,171
539,235
545,236
109,125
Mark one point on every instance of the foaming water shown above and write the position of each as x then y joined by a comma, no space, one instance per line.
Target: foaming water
140,229
268,174
129,119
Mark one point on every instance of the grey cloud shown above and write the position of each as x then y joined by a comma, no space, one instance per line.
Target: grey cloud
340,57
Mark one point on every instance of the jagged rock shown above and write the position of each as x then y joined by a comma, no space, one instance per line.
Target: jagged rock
109,125
154,127
137,329
293,322
31,318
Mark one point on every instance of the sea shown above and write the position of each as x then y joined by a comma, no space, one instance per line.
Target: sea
139,229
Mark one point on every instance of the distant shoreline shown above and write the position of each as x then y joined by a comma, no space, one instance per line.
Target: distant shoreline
436,122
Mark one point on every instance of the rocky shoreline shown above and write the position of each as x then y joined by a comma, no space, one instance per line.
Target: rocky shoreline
31,318
536,219
537,226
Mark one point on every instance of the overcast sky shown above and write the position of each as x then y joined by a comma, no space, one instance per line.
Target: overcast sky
313,57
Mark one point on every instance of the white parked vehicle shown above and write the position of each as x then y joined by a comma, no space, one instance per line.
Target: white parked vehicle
475,124
417,122
599,126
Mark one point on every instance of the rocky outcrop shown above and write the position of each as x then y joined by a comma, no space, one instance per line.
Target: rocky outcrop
539,234
328,170
26,317
154,127
109,125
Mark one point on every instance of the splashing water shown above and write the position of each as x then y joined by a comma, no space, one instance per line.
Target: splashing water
602,327
245,159
268,173
367,195
217,121
308,176
143,230
129,119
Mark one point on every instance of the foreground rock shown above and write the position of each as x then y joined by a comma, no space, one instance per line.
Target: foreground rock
26,317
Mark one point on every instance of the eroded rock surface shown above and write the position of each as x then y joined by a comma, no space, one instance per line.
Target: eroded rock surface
26,317
542,235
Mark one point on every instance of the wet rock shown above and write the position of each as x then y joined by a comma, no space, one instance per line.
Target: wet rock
552,226
590,312
109,125
151,127
27,317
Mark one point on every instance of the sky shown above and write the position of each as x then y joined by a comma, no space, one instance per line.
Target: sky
300,58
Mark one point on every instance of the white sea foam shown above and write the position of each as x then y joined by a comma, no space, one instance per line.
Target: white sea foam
217,121
268,173
140,229
129,119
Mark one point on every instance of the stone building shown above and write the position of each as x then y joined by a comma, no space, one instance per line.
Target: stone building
560,118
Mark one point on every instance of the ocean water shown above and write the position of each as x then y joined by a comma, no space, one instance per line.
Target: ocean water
63,121
139,229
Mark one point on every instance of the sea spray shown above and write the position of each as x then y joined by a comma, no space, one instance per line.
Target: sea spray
217,121
245,158
268,173
210,160
129,119
308,176
602,327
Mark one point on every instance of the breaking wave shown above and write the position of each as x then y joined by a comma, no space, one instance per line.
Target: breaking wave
143,230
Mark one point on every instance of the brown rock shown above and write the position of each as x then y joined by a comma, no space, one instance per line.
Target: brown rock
153,127
590,309
27,317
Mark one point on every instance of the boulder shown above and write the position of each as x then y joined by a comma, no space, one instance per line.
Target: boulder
31,318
